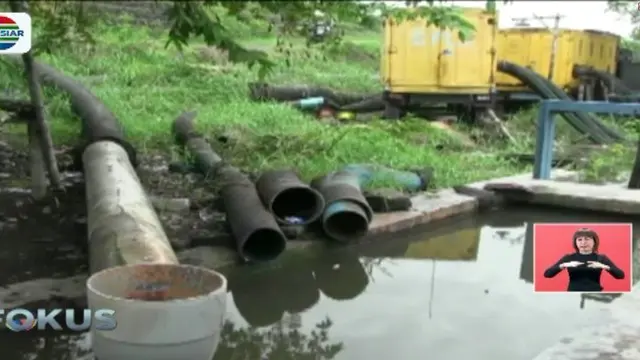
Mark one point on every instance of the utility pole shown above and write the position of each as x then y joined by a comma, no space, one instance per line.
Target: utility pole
555,32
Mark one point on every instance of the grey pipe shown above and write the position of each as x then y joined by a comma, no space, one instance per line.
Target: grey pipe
123,227
257,235
288,198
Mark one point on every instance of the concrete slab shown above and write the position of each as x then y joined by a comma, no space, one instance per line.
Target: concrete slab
613,198
426,208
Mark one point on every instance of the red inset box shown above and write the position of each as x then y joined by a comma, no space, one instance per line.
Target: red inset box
583,257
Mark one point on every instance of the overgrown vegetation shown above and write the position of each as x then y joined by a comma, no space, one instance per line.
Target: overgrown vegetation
147,84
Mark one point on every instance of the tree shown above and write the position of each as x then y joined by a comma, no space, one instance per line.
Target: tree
628,9
194,19
41,146
65,22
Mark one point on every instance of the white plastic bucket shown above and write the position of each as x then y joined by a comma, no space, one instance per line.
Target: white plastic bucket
163,312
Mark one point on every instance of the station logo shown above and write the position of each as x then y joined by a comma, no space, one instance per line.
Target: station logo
15,33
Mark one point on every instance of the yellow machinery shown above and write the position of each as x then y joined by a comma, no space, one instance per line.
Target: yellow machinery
423,64
601,50
532,48
417,59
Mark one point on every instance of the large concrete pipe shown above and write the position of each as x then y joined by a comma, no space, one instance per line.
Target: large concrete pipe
288,198
123,227
257,235
130,256
137,275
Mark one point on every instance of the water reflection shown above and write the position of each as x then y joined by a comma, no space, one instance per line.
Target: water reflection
263,297
413,294
270,302
285,340
452,292
342,279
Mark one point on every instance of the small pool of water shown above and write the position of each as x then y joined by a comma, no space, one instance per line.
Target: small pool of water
460,290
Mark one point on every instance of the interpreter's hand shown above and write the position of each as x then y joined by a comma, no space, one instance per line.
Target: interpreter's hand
570,264
597,265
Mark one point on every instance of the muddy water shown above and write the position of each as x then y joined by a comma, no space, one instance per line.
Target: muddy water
40,241
39,244
460,290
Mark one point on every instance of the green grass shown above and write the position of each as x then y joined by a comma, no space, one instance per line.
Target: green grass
147,86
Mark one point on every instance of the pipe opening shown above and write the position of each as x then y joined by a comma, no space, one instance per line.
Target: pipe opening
346,226
155,282
263,245
302,203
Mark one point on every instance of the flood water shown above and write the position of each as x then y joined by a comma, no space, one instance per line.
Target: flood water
460,290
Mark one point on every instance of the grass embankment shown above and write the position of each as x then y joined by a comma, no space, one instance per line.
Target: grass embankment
147,86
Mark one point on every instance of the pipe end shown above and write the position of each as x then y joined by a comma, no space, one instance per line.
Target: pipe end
300,205
345,221
263,245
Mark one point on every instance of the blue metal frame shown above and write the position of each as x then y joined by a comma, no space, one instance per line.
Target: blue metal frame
546,126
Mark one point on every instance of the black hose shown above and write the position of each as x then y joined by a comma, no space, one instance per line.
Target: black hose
257,235
264,91
370,104
612,82
289,199
347,214
98,122
538,84
583,116
205,161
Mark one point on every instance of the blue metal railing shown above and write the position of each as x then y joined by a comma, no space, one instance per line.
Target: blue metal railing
546,126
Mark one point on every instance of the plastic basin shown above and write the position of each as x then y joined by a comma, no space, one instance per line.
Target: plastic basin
163,312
